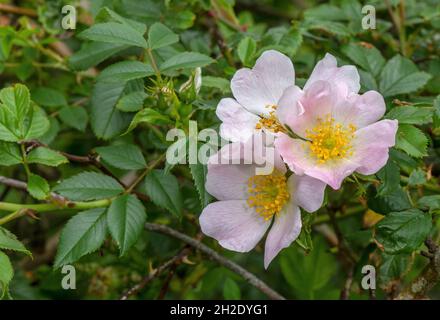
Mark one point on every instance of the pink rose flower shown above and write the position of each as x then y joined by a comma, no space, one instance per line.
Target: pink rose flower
257,92
337,130
249,202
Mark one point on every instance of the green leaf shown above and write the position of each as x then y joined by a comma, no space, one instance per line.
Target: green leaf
164,191
393,266
75,117
39,123
6,274
93,53
390,178
394,200
89,186
436,118
368,58
38,187
83,234
246,50
48,97
294,263
411,115
403,232
429,202
148,115
132,102
216,82
18,119
107,121
9,154
108,15
186,60
127,157
126,218
411,140
231,290
8,241
160,36
199,172
46,156
400,75
125,71
9,129
332,27
49,136
16,100
113,32
417,177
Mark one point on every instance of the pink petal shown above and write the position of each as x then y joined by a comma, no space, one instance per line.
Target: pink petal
238,123
285,230
295,154
346,78
289,106
370,108
264,85
230,168
372,144
233,224
307,192
229,182
287,147
316,102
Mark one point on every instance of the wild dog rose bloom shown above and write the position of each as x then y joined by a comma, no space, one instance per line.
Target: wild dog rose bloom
257,92
248,202
338,129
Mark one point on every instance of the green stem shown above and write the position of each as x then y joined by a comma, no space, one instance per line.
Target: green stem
25,164
402,31
12,216
426,185
18,210
339,215
154,65
146,171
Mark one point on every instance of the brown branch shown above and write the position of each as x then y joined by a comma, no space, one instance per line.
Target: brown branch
430,276
345,293
155,273
18,10
17,184
211,22
249,277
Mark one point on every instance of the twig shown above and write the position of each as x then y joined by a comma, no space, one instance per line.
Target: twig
345,293
18,10
164,289
154,274
249,277
211,23
17,184
430,276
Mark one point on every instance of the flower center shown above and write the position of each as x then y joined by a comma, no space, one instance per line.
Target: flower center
330,140
268,193
270,122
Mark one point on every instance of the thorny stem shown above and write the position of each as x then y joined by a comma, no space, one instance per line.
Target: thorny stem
249,277
143,174
25,164
46,207
430,276
155,273
154,65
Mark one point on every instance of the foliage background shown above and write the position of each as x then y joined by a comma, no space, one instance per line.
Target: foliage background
74,77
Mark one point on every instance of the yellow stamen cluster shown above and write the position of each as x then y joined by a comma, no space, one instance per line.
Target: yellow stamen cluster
268,194
270,122
330,140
